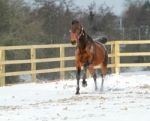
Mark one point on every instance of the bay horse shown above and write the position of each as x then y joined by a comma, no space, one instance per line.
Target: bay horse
88,54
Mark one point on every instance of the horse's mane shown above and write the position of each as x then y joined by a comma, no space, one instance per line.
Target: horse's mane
102,40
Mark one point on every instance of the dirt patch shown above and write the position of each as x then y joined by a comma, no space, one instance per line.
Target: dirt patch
10,107
145,86
82,98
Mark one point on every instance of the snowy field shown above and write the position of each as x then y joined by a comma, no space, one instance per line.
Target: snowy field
125,98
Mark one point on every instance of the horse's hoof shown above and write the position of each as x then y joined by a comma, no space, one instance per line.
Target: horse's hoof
77,93
84,83
101,89
96,88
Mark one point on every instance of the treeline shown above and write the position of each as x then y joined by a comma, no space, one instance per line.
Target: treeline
48,21
21,23
136,20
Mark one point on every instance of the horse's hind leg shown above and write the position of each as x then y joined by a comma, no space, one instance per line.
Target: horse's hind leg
104,69
95,77
93,73
102,83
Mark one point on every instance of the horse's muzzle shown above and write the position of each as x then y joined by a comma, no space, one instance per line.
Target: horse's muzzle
73,42
73,38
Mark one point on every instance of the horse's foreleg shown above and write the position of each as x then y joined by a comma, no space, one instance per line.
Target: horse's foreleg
104,69
78,80
84,82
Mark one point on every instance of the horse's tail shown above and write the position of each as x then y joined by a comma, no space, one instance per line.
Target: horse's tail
103,40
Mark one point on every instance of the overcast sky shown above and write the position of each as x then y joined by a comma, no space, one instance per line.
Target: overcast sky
117,5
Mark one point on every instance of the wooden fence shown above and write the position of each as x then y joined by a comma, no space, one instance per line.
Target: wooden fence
115,56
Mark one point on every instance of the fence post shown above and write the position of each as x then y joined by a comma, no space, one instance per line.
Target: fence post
62,63
33,64
2,67
113,56
117,57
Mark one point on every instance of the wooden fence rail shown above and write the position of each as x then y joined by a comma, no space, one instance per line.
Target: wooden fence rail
114,55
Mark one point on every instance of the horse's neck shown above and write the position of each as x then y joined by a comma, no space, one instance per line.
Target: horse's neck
85,39
90,40
85,42
82,41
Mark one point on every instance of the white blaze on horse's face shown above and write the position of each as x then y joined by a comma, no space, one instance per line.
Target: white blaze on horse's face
75,30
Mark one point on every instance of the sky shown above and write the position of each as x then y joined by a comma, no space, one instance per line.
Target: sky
116,5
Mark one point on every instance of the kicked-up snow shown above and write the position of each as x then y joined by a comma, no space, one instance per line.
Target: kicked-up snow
125,98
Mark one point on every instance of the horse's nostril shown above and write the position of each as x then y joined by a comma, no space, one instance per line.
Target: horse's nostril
73,42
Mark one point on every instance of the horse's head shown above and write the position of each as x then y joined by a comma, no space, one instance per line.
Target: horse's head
75,31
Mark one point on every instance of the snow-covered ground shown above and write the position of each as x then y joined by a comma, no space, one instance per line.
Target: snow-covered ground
125,98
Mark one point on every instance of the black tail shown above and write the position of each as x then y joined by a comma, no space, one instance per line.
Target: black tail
102,40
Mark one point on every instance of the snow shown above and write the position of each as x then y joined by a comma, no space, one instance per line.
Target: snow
126,97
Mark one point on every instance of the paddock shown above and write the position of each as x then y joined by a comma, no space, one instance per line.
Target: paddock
125,97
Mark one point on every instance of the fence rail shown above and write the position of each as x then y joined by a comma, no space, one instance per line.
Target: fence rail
115,56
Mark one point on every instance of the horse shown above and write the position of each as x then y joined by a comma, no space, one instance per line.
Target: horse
88,53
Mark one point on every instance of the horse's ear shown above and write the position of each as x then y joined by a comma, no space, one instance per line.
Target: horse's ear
75,22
